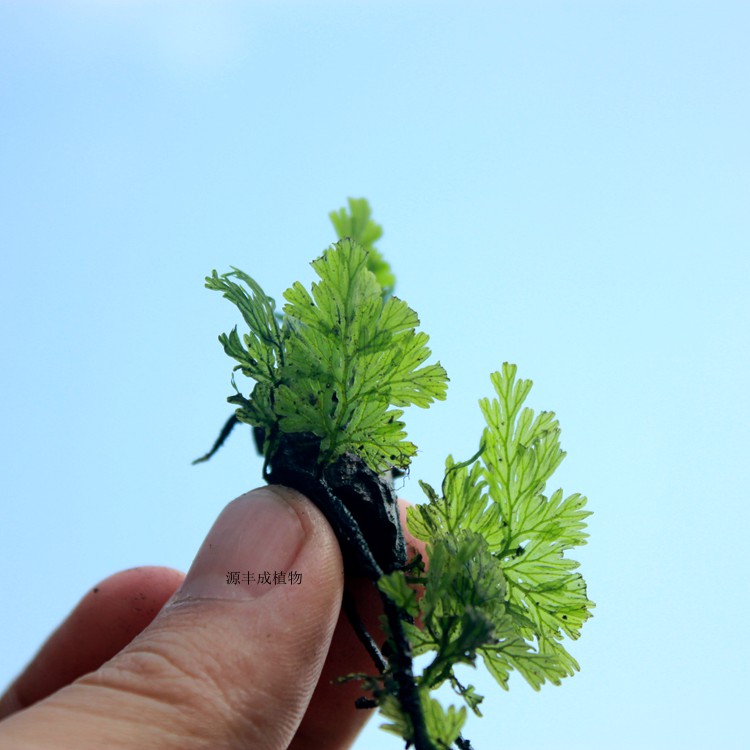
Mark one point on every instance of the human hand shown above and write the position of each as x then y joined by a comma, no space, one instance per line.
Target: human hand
148,660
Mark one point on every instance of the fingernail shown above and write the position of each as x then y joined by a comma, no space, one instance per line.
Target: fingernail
248,551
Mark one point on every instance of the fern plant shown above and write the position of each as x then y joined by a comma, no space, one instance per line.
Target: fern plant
332,372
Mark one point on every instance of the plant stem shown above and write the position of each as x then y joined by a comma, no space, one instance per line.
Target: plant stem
403,672
365,638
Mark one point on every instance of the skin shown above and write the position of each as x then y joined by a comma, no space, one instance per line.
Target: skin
148,659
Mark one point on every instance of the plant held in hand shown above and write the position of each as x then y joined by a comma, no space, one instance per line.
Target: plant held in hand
332,373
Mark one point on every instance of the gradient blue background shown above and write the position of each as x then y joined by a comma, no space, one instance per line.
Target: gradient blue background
563,185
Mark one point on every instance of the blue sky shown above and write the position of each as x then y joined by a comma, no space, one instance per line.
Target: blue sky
563,185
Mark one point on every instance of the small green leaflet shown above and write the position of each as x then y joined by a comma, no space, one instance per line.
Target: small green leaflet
357,224
522,452
443,726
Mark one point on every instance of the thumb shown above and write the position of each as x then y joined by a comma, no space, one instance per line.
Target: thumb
231,660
